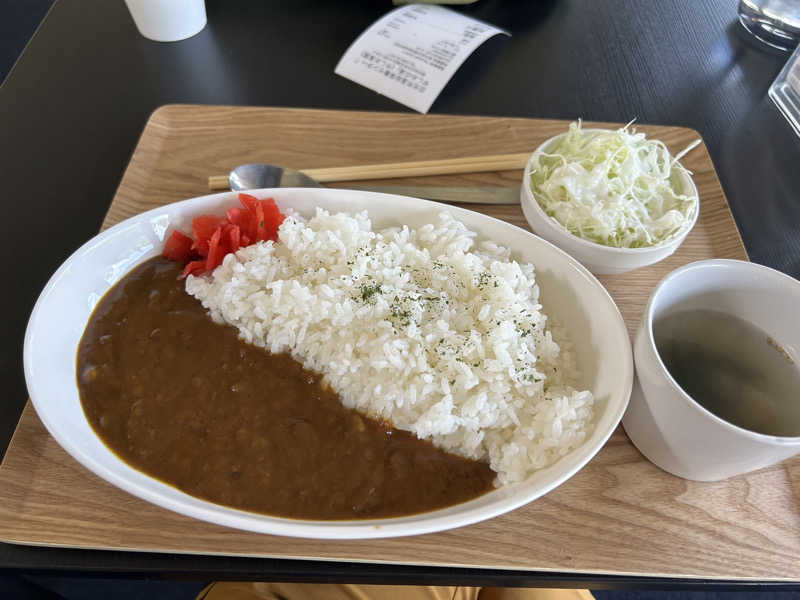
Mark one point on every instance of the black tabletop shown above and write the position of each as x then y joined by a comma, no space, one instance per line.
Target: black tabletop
73,106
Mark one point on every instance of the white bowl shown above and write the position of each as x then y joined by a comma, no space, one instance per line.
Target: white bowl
599,259
665,423
569,293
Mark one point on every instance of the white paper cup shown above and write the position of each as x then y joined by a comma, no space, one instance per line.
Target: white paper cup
664,422
168,20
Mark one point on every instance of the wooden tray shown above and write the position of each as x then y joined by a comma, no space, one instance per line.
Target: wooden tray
620,514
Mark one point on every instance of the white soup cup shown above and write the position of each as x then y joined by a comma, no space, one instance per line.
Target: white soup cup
664,422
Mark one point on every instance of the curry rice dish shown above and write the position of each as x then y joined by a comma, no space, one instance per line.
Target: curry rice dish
248,398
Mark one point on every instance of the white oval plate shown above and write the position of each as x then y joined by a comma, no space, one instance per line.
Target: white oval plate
568,292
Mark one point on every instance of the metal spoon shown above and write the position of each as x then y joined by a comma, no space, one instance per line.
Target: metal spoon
254,175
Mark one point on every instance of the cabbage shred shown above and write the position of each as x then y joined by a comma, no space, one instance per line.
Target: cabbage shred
614,188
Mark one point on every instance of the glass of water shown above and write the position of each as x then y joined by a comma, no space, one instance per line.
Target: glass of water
785,91
774,22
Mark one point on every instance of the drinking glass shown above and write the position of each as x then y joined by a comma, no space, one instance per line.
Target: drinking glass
785,90
774,22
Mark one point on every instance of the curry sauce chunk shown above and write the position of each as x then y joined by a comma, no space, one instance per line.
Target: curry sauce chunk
183,399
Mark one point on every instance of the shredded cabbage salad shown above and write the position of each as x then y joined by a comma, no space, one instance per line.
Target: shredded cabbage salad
615,188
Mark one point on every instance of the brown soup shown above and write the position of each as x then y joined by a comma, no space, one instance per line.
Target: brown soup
184,400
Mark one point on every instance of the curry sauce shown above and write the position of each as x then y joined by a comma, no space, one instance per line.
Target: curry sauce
184,400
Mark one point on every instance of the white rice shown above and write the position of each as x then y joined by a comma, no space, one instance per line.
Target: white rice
426,328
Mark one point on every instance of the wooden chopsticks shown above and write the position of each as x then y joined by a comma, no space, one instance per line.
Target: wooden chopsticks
447,166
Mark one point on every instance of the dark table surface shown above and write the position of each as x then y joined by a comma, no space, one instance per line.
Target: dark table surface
73,106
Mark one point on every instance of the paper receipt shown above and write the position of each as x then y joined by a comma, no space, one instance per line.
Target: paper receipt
412,52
